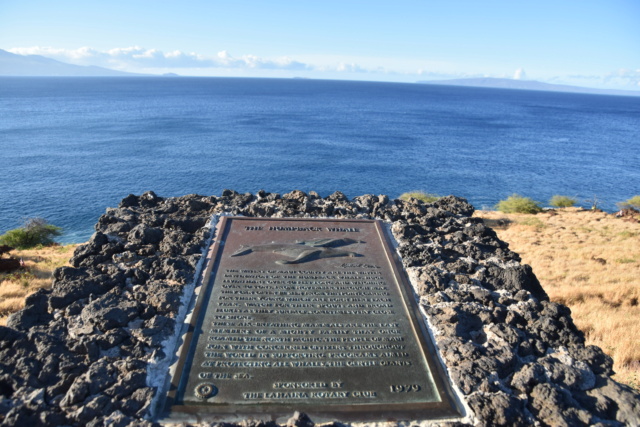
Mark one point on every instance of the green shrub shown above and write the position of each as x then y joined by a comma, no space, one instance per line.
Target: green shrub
562,201
420,195
34,232
518,204
633,202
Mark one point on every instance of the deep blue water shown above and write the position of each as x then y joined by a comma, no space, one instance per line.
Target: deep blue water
71,147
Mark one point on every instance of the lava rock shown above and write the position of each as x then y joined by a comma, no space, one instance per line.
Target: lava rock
79,354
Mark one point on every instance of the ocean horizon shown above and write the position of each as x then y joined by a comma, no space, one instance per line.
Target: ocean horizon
72,147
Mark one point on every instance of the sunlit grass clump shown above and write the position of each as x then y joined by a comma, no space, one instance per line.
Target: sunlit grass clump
633,202
519,204
562,201
420,195
531,222
37,273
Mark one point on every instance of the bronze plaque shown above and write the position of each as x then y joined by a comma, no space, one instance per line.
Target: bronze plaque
314,315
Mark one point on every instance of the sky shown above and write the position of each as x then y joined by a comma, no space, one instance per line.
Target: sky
580,42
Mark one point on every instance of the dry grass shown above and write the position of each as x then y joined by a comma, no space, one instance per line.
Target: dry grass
38,272
589,261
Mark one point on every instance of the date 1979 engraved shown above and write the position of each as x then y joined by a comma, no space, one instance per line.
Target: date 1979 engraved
311,314
404,388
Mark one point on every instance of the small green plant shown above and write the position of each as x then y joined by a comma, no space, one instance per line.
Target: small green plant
633,202
627,234
420,195
34,232
22,277
558,201
593,202
533,222
519,204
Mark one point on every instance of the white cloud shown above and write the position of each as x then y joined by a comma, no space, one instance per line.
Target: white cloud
520,74
155,61
140,59
437,75
620,79
624,77
350,68
135,57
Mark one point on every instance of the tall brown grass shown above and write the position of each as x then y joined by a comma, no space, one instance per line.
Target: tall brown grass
589,261
38,273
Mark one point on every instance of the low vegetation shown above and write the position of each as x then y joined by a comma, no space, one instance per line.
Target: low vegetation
562,201
420,195
589,261
633,203
34,232
37,273
519,204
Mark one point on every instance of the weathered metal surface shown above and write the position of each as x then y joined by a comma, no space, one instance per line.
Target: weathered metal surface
312,315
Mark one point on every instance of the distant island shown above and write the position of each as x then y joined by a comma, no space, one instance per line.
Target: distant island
497,83
13,65
40,66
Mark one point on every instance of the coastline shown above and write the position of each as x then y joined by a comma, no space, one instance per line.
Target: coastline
576,255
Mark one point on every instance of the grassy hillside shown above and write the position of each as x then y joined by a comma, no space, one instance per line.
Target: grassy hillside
589,261
38,273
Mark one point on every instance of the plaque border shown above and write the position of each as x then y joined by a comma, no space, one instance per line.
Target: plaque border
448,407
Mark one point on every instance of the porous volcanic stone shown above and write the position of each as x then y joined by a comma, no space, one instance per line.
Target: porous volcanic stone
78,354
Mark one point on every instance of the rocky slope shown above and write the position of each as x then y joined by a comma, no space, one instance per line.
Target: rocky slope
80,353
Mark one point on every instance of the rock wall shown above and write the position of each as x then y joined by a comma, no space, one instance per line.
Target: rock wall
80,353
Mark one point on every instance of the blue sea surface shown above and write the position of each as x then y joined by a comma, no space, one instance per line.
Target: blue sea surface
71,147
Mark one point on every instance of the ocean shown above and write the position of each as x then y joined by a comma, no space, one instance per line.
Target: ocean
71,147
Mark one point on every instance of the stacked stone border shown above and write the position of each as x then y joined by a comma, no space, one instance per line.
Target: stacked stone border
87,351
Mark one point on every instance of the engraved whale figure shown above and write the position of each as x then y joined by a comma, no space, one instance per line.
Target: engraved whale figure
328,242
300,252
